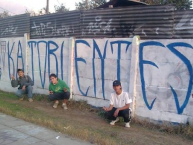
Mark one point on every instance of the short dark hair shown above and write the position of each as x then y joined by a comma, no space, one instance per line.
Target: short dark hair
20,70
53,75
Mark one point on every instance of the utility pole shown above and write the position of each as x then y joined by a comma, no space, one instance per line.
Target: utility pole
47,7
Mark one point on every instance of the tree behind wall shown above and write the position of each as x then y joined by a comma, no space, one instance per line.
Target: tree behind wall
89,4
179,4
60,8
4,14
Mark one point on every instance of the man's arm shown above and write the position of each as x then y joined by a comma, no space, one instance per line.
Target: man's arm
108,109
122,108
14,83
66,88
51,91
30,82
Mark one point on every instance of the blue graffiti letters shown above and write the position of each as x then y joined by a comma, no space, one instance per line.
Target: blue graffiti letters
141,64
78,59
189,66
102,57
119,42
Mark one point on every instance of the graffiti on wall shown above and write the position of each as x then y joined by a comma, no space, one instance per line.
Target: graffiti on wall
3,52
0,67
172,47
116,47
184,26
13,64
98,26
2,56
115,27
44,53
51,29
11,54
9,30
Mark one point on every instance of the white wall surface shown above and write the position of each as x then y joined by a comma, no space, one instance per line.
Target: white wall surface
12,57
156,73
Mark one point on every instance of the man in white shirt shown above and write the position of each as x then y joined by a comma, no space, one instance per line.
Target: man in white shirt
119,105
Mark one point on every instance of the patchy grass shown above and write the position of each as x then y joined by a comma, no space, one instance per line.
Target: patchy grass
181,129
87,123
57,124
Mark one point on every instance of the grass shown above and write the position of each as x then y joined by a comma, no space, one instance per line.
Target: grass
57,124
182,129
102,136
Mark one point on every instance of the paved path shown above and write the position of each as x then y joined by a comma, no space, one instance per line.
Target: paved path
14,131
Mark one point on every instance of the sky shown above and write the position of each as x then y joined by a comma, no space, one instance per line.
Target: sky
19,6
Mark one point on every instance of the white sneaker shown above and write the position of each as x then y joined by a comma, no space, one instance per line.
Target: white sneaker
55,105
30,100
127,124
114,121
64,106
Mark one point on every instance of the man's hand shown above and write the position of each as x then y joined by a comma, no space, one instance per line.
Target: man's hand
51,92
12,77
105,108
116,113
23,88
65,90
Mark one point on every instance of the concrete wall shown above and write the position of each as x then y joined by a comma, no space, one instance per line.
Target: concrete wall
97,63
157,73
47,56
12,57
164,81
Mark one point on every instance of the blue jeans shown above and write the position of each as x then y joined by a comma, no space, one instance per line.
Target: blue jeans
28,91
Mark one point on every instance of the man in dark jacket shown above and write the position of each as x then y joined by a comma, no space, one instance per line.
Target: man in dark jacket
25,85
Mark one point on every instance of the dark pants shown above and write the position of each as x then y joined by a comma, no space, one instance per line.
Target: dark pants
59,96
126,114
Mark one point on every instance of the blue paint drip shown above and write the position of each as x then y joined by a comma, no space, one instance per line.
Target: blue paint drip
171,47
150,62
61,57
141,63
76,65
10,58
32,62
119,42
102,57
51,52
0,67
40,72
20,55
3,45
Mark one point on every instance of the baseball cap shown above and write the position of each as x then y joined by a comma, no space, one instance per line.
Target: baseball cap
116,83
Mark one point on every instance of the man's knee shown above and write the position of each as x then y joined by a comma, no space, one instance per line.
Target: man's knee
67,95
126,113
51,97
107,115
18,93
29,88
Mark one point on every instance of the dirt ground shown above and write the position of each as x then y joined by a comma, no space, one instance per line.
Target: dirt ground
137,134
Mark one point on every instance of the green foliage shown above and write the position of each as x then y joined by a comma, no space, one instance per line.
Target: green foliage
89,4
179,4
60,8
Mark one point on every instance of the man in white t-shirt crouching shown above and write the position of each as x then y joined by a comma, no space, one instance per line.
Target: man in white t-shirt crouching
119,105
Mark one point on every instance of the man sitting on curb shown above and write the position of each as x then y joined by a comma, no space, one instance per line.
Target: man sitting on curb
58,91
119,105
25,85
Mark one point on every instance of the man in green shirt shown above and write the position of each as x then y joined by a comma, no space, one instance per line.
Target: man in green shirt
58,90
